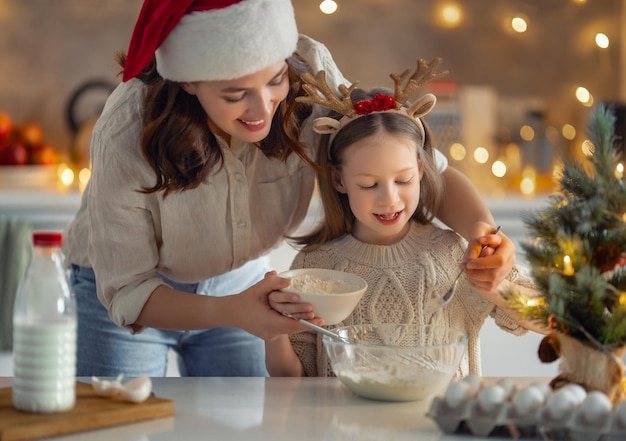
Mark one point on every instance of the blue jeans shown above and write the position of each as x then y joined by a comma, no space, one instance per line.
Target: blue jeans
107,350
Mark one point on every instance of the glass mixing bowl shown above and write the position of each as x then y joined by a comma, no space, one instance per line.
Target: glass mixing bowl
396,362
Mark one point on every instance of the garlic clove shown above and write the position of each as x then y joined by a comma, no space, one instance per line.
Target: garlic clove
107,388
138,389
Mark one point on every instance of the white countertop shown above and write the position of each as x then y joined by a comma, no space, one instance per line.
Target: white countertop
290,409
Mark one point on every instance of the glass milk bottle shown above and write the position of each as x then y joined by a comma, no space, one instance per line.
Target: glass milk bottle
44,332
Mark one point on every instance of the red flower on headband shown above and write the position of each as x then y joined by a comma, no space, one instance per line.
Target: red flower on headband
379,103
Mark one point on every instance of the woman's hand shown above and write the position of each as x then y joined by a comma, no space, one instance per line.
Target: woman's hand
259,309
289,303
487,270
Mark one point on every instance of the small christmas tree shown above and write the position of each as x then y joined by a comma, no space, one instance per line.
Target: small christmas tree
577,262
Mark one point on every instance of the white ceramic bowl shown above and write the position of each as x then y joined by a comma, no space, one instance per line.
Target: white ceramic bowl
396,362
333,294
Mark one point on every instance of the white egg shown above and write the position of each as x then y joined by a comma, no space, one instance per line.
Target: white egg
526,400
577,391
474,381
544,388
620,413
561,403
490,397
138,389
507,385
458,393
595,406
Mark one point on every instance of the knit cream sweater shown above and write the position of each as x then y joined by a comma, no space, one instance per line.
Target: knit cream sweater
401,278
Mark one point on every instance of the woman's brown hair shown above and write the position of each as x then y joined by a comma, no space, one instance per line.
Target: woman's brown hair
178,144
338,218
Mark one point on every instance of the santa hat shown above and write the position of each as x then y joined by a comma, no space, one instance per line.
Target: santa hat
204,40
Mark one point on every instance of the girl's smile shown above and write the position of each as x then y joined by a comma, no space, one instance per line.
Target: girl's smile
388,219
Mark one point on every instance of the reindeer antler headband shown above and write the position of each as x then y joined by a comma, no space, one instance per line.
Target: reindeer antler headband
316,85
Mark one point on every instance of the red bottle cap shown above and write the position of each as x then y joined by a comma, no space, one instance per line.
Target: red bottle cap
47,238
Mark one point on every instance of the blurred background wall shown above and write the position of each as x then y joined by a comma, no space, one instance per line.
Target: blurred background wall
49,49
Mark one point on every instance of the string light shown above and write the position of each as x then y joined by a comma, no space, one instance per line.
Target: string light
83,178
328,7
481,155
450,15
587,148
619,170
65,174
568,131
602,40
498,169
568,268
519,25
527,133
457,151
584,96
529,180
563,203
535,301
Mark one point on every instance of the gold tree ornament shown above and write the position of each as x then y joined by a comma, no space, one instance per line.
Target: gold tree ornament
577,262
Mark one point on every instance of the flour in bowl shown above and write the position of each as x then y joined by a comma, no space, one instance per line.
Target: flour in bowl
388,382
311,284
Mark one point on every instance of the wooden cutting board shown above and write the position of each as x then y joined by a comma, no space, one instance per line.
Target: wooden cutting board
90,412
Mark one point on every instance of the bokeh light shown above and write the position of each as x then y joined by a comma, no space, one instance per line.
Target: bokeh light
498,169
602,40
481,155
568,131
328,6
519,24
449,15
587,148
527,133
457,151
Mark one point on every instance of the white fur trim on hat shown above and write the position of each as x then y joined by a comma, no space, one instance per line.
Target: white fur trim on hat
228,43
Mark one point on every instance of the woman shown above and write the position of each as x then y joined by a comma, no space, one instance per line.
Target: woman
198,171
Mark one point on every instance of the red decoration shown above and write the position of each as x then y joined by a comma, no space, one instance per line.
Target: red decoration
379,103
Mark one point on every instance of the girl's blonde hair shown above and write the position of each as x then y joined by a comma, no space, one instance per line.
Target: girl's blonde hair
338,218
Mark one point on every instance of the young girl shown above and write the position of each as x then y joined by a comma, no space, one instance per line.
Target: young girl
379,198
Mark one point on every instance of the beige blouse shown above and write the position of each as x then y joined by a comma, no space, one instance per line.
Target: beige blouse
241,212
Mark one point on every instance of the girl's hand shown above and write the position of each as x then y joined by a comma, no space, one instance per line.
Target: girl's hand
487,270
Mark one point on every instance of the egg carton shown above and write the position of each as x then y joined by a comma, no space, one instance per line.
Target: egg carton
503,409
